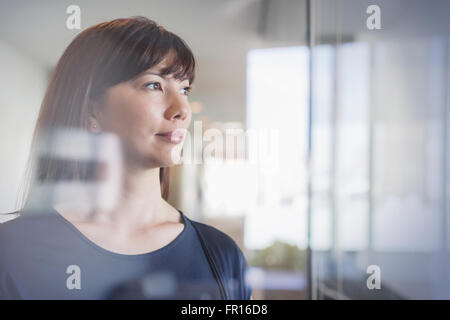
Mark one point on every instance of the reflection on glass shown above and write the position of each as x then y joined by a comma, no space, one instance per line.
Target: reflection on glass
379,160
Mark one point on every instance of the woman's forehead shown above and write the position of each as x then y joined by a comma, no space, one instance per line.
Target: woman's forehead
169,59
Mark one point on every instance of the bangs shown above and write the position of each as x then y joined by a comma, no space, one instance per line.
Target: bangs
182,64
138,45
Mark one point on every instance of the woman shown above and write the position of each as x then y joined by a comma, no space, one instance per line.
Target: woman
129,77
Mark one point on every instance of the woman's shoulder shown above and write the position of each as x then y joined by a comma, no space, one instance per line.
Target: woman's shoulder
216,238
231,261
14,227
224,249
15,234
25,229
26,220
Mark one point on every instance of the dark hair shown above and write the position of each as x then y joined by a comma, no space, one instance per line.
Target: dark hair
98,58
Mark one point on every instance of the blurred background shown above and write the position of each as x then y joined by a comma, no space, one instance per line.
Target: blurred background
352,132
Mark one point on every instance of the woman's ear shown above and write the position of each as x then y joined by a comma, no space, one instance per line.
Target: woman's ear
94,125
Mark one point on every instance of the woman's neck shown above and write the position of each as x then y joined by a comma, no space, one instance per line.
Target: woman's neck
139,206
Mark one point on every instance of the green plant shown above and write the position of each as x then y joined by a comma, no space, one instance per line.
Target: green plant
279,255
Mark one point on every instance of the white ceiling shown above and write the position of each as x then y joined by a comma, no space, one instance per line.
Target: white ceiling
211,27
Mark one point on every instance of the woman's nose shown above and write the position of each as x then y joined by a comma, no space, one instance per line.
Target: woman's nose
179,107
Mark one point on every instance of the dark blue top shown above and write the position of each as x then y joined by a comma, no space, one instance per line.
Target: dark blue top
44,256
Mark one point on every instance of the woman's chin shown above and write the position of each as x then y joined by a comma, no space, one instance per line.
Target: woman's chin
172,159
175,154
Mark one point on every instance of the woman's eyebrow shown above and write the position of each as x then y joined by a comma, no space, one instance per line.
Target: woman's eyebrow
156,73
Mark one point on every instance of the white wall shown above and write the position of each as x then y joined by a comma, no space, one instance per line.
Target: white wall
22,84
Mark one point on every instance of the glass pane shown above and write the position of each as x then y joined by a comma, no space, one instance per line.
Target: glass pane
380,141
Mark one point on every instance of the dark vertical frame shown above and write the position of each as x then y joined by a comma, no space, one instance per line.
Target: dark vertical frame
309,43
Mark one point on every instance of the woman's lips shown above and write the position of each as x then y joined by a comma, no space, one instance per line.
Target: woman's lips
175,136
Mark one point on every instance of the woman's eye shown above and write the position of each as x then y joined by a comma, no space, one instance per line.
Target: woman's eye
153,85
186,90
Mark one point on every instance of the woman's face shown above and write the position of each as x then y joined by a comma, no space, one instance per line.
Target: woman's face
140,109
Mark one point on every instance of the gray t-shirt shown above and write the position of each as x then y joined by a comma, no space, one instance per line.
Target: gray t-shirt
44,256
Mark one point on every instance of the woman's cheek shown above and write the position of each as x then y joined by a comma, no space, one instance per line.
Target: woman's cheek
134,114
